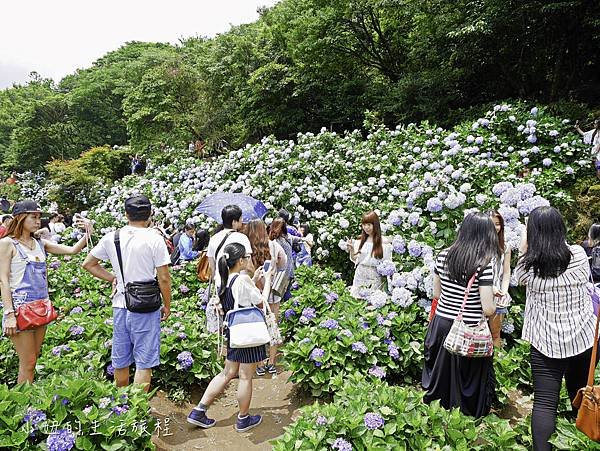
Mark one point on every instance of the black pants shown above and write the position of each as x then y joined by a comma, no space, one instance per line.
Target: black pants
547,379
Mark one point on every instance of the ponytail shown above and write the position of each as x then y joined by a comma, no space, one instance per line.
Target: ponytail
231,254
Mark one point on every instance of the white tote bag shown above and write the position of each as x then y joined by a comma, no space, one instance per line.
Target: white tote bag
247,327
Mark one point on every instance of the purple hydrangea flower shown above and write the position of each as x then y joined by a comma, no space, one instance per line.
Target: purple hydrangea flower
500,187
569,170
434,205
386,268
329,324
76,310
413,218
532,138
58,350
289,313
34,417
184,289
321,420
414,248
119,410
110,370
508,327
185,359
55,264
308,314
295,286
359,346
341,445
331,297
182,336
378,298
399,245
76,330
393,351
316,354
377,371
373,421
547,162
61,440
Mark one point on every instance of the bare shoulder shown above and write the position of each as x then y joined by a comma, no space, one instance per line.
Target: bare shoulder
6,246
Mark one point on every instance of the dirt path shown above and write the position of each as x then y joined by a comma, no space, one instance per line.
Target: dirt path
273,398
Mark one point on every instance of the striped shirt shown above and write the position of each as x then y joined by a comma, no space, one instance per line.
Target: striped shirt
559,317
453,293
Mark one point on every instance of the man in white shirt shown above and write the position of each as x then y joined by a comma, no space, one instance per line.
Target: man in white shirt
136,336
231,216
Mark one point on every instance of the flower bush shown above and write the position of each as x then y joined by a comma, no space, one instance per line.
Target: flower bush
61,413
367,414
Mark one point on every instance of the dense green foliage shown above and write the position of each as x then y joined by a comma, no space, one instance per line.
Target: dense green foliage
311,63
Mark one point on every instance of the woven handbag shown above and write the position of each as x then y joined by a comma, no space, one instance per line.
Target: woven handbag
466,340
588,399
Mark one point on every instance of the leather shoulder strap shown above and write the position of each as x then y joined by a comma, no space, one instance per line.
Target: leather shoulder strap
222,243
119,256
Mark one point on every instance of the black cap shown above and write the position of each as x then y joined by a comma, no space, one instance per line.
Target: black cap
138,204
26,206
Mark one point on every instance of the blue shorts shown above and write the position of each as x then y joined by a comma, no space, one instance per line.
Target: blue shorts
136,339
502,311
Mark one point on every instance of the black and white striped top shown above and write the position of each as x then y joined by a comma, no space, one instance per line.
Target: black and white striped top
559,317
453,293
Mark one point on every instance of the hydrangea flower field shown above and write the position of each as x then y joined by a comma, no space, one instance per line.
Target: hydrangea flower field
359,358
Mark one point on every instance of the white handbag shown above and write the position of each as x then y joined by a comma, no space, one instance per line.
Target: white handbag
247,327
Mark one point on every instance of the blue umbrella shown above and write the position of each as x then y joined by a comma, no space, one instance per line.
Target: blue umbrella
212,205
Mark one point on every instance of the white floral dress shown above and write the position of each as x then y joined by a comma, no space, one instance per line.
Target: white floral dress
365,273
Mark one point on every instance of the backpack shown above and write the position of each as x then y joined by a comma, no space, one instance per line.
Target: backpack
175,256
203,268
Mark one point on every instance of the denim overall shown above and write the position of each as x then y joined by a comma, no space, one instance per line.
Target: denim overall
34,285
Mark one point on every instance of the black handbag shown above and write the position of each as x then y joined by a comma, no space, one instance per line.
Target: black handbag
140,297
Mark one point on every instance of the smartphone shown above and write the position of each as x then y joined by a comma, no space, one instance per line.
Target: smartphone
266,265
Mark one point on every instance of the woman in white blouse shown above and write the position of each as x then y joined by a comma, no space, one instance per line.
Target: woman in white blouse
559,318
366,253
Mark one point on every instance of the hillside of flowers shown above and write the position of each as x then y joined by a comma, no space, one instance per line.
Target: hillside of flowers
359,358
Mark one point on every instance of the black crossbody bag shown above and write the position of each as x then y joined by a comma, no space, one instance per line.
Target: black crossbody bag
140,297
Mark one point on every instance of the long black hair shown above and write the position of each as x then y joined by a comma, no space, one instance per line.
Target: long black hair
547,250
475,245
231,254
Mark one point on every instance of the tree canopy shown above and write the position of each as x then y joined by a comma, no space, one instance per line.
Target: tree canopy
305,64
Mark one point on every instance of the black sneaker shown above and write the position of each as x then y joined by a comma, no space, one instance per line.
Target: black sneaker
247,423
261,370
271,369
199,418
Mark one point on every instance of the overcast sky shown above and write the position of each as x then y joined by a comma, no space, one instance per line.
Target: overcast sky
56,37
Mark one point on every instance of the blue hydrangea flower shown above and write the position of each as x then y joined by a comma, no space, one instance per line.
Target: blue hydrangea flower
61,440
119,410
378,298
34,417
359,346
329,324
317,354
373,421
399,245
321,420
341,445
185,359
393,351
500,187
414,248
76,310
110,370
547,162
434,205
289,313
508,327
76,330
377,372
331,297
386,268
